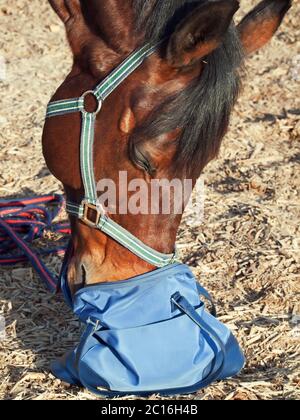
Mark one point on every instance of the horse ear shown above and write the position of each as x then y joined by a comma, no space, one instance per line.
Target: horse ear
89,49
65,9
201,32
258,27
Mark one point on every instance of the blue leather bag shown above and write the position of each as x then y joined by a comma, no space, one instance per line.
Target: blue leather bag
150,334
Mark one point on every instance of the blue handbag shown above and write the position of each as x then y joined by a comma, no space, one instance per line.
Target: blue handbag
150,334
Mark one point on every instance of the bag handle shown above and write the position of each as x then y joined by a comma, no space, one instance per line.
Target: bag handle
93,326
203,292
186,308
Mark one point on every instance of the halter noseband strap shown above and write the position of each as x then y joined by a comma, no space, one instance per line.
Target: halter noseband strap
88,210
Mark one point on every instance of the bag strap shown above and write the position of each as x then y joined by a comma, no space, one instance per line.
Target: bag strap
186,308
203,292
93,326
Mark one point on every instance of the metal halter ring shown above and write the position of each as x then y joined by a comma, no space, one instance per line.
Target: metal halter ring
99,102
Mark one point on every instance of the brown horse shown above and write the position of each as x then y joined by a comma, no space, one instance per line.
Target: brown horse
168,118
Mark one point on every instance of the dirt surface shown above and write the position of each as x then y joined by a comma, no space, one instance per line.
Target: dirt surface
246,252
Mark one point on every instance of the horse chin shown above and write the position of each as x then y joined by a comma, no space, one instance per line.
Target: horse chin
84,270
100,265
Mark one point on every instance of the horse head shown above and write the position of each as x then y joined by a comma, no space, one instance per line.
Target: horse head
165,121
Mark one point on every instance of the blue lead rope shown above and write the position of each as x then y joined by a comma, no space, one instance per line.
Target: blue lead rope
22,222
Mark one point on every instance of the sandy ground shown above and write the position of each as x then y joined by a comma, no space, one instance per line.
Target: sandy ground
246,252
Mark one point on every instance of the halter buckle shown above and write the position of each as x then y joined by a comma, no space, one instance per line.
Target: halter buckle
91,214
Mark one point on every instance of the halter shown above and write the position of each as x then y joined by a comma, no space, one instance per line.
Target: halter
88,211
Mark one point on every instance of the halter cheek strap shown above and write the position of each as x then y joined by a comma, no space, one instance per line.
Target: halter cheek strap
88,211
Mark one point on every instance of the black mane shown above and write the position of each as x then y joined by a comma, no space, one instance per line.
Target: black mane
203,109
164,16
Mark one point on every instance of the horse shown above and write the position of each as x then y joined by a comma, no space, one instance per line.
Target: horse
166,120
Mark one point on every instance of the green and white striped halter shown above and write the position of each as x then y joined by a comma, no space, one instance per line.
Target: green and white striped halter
88,211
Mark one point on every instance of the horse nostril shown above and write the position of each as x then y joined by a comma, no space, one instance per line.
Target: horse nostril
83,275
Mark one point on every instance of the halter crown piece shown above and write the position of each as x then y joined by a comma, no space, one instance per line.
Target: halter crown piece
135,328
88,211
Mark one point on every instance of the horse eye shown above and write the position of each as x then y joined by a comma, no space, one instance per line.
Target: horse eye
141,161
190,42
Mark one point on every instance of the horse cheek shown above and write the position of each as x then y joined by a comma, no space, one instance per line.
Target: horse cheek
61,151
